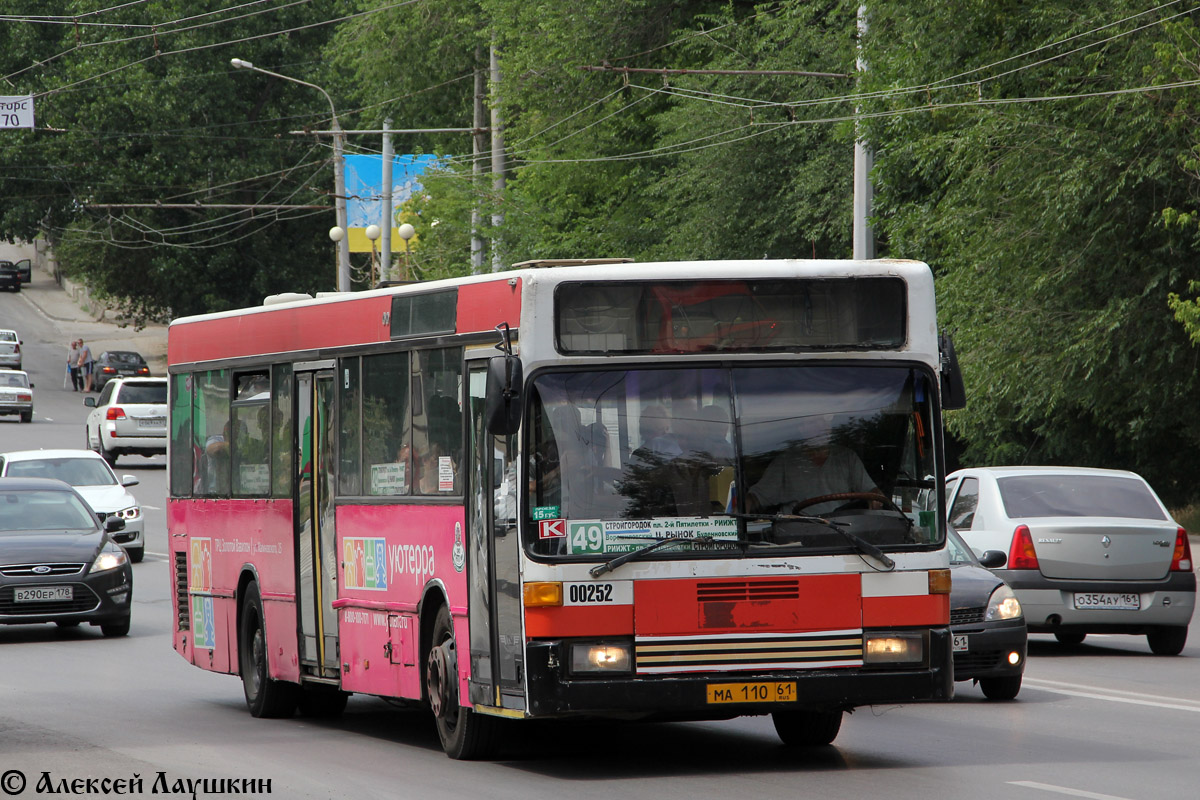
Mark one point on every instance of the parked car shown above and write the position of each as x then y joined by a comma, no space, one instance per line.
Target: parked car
129,417
987,628
10,349
10,277
1089,550
94,480
118,364
16,394
25,270
58,562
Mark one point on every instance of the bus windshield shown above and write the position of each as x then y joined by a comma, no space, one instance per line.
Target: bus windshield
749,458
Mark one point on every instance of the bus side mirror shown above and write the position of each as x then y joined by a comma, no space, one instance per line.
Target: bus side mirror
954,393
502,409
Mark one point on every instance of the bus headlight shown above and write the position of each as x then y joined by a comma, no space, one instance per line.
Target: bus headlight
608,657
893,648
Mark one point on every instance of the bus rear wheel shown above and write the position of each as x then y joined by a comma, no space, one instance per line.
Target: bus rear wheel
264,697
807,728
464,733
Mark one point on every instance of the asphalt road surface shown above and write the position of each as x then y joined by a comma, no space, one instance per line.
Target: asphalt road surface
1101,720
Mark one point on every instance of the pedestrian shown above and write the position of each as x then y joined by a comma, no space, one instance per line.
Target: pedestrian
73,373
85,365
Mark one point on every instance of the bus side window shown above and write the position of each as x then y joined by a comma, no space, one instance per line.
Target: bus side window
387,440
182,469
211,432
281,431
437,421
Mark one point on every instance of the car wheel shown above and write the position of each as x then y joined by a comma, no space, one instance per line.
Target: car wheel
265,696
464,734
108,456
1167,640
1070,638
807,728
137,555
26,416
118,628
322,702
1000,688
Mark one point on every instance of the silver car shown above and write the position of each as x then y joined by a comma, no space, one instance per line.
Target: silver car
1089,550
129,417
16,394
10,349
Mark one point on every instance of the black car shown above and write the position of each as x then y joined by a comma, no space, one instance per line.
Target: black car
57,562
118,364
987,628
10,276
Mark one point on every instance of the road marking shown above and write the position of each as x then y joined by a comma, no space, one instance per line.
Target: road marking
1046,787
1115,695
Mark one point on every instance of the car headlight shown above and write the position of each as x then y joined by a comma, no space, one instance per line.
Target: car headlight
1003,605
110,557
133,512
598,657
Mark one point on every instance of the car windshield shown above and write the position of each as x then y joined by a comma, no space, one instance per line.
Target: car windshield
124,358
1078,496
75,471
142,393
622,458
43,510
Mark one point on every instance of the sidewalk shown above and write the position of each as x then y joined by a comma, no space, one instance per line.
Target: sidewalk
68,307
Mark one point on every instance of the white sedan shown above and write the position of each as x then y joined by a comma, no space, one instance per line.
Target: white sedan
1088,550
94,479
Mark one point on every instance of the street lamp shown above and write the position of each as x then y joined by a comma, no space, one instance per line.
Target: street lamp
339,177
372,232
406,232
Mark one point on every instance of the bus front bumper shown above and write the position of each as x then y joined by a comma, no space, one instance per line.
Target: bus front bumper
553,693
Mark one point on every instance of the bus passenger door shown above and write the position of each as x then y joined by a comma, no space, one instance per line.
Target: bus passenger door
493,567
316,584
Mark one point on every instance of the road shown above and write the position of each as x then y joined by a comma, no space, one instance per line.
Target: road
1100,720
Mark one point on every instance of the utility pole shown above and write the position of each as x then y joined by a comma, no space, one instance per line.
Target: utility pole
863,234
385,263
497,160
477,166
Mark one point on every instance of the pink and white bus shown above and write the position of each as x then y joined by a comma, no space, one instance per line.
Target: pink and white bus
690,490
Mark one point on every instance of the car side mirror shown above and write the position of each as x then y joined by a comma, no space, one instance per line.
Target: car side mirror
502,407
130,480
113,524
90,402
993,559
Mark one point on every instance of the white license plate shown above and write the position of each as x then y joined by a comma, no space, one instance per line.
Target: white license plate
1116,601
41,594
152,422
958,643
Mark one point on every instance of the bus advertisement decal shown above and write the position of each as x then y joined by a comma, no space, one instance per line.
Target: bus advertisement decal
364,563
204,632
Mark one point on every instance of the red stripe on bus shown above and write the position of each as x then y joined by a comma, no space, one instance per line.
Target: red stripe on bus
356,321
483,306
921,609
748,605
579,621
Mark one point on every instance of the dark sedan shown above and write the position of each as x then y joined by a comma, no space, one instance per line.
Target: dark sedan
10,277
987,628
118,364
57,563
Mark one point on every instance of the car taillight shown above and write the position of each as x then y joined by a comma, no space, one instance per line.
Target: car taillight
143,371
1182,560
115,412
1022,555
108,370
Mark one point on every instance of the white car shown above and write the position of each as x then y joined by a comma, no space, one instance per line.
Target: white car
16,394
1088,550
94,479
10,349
129,417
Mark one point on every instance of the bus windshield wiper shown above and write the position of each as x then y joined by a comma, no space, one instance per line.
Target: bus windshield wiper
860,544
609,566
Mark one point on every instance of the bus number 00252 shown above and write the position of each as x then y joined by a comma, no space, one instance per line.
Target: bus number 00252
590,593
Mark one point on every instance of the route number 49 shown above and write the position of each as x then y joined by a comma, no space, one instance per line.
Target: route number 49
587,537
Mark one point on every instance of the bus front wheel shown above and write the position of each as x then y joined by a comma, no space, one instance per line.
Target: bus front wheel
464,733
265,697
807,728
